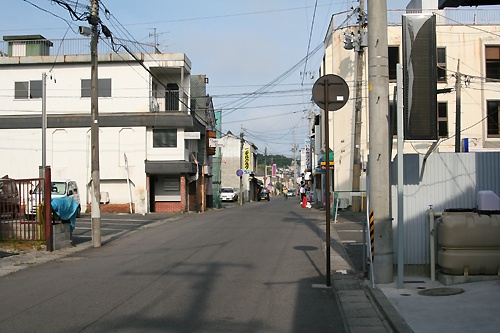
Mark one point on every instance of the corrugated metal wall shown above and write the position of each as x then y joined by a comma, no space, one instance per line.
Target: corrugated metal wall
445,181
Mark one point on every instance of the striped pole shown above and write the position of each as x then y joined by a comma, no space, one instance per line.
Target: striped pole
372,235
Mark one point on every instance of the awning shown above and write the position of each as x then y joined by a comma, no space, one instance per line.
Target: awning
170,167
330,157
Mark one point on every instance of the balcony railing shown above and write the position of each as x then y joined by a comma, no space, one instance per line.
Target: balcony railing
78,46
448,16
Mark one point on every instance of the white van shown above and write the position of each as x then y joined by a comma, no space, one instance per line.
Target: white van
59,188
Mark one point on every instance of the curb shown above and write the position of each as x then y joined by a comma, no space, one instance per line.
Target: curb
387,310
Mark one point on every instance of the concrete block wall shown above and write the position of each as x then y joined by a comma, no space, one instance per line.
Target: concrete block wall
61,236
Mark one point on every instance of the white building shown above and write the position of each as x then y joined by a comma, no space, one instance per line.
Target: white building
148,133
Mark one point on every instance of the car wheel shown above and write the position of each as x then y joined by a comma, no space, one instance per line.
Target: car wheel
78,211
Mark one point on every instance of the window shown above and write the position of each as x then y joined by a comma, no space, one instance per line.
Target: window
103,87
493,109
443,119
28,89
393,125
441,65
167,188
393,61
172,97
492,63
171,184
164,138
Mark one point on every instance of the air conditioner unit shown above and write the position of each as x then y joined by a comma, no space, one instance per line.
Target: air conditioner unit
105,197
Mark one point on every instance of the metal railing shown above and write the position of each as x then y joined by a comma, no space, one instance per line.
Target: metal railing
448,16
77,46
21,216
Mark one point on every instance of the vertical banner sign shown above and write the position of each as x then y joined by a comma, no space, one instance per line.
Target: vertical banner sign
420,77
274,170
307,145
246,160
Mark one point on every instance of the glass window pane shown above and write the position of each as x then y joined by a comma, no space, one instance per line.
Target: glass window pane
492,52
492,62
441,55
393,61
21,90
442,110
104,87
493,108
164,138
443,129
86,88
36,89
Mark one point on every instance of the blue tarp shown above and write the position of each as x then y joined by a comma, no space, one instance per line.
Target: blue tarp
66,208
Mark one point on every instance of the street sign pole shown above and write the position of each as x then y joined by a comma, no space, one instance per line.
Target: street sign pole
327,180
326,86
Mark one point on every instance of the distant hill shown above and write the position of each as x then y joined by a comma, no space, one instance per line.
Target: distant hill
281,161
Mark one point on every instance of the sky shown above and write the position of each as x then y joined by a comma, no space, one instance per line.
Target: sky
252,52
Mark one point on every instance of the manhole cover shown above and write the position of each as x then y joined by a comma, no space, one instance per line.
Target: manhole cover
441,291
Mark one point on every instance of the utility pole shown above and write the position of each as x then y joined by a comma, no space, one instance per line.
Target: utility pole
265,166
356,163
44,125
94,130
241,168
458,96
294,160
378,161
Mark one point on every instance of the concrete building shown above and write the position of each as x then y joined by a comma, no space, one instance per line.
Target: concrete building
239,154
152,143
470,36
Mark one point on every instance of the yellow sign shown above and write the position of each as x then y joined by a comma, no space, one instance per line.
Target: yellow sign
246,159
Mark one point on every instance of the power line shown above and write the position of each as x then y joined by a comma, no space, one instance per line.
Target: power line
310,37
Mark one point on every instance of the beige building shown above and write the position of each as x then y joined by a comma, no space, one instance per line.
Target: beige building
470,37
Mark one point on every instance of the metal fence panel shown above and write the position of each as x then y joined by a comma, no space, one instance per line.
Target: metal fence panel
20,214
443,181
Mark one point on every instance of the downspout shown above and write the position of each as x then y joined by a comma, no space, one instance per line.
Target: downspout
432,237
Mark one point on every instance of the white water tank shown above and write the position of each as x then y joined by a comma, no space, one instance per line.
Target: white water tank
488,201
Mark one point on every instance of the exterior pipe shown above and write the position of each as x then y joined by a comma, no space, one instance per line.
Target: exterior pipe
432,239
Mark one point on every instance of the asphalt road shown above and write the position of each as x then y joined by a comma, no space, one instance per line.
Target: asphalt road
254,268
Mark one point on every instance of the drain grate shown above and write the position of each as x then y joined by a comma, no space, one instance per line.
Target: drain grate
441,292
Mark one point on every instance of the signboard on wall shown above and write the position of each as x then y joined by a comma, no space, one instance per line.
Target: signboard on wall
192,135
246,159
216,143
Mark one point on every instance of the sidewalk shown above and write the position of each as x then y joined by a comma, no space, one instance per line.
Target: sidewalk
421,306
